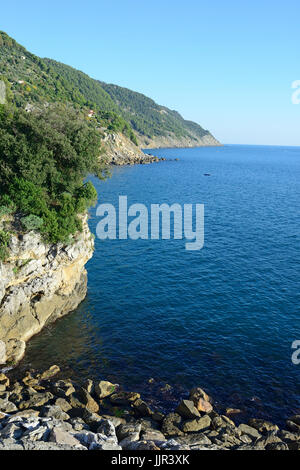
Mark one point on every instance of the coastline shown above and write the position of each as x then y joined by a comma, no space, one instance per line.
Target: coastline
182,147
42,411
277,442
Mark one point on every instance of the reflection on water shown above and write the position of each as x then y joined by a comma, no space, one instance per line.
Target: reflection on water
223,318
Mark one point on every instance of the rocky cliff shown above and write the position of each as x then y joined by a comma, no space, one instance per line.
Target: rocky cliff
38,284
119,150
171,141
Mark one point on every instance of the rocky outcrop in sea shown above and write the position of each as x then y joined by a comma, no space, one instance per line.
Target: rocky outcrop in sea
41,411
119,150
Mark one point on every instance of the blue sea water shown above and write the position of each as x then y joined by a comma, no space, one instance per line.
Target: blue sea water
223,318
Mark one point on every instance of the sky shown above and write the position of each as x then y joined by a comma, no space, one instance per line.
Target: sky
228,65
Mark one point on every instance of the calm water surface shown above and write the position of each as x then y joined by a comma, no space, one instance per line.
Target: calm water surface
224,317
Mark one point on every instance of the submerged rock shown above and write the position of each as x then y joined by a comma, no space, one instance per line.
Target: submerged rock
50,373
141,408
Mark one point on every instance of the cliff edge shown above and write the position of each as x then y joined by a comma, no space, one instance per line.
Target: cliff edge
38,284
119,150
173,141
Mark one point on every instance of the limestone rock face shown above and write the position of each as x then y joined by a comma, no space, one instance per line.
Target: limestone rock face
38,284
208,140
119,150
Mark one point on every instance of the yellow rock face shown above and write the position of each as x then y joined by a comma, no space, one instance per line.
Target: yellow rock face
38,284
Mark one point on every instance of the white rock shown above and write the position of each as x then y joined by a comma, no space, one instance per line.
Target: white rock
3,357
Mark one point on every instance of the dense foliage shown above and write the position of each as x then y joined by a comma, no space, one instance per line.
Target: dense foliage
148,118
36,80
46,152
44,156
4,241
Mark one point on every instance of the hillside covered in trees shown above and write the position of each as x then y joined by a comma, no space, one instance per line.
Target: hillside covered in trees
55,123
34,81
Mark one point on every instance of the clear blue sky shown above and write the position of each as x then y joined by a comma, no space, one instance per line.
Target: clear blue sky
228,65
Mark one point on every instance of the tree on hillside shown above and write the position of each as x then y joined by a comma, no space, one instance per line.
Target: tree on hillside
44,157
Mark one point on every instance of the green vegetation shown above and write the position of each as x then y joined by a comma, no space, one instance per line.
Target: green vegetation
50,138
4,242
32,222
148,118
118,412
34,80
44,157
5,210
21,265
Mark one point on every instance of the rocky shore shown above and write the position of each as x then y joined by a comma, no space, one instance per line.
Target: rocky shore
41,411
189,141
119,150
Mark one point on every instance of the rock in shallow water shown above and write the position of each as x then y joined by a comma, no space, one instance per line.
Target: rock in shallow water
197,393
203,405
88,401
104,389
63,388
124,398
250,431
187,410
67,423
263,426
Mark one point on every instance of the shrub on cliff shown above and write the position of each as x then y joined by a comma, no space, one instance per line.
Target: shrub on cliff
32,222
44,157
4,242
5,210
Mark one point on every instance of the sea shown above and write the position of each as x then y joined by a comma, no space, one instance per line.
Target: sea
161,319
